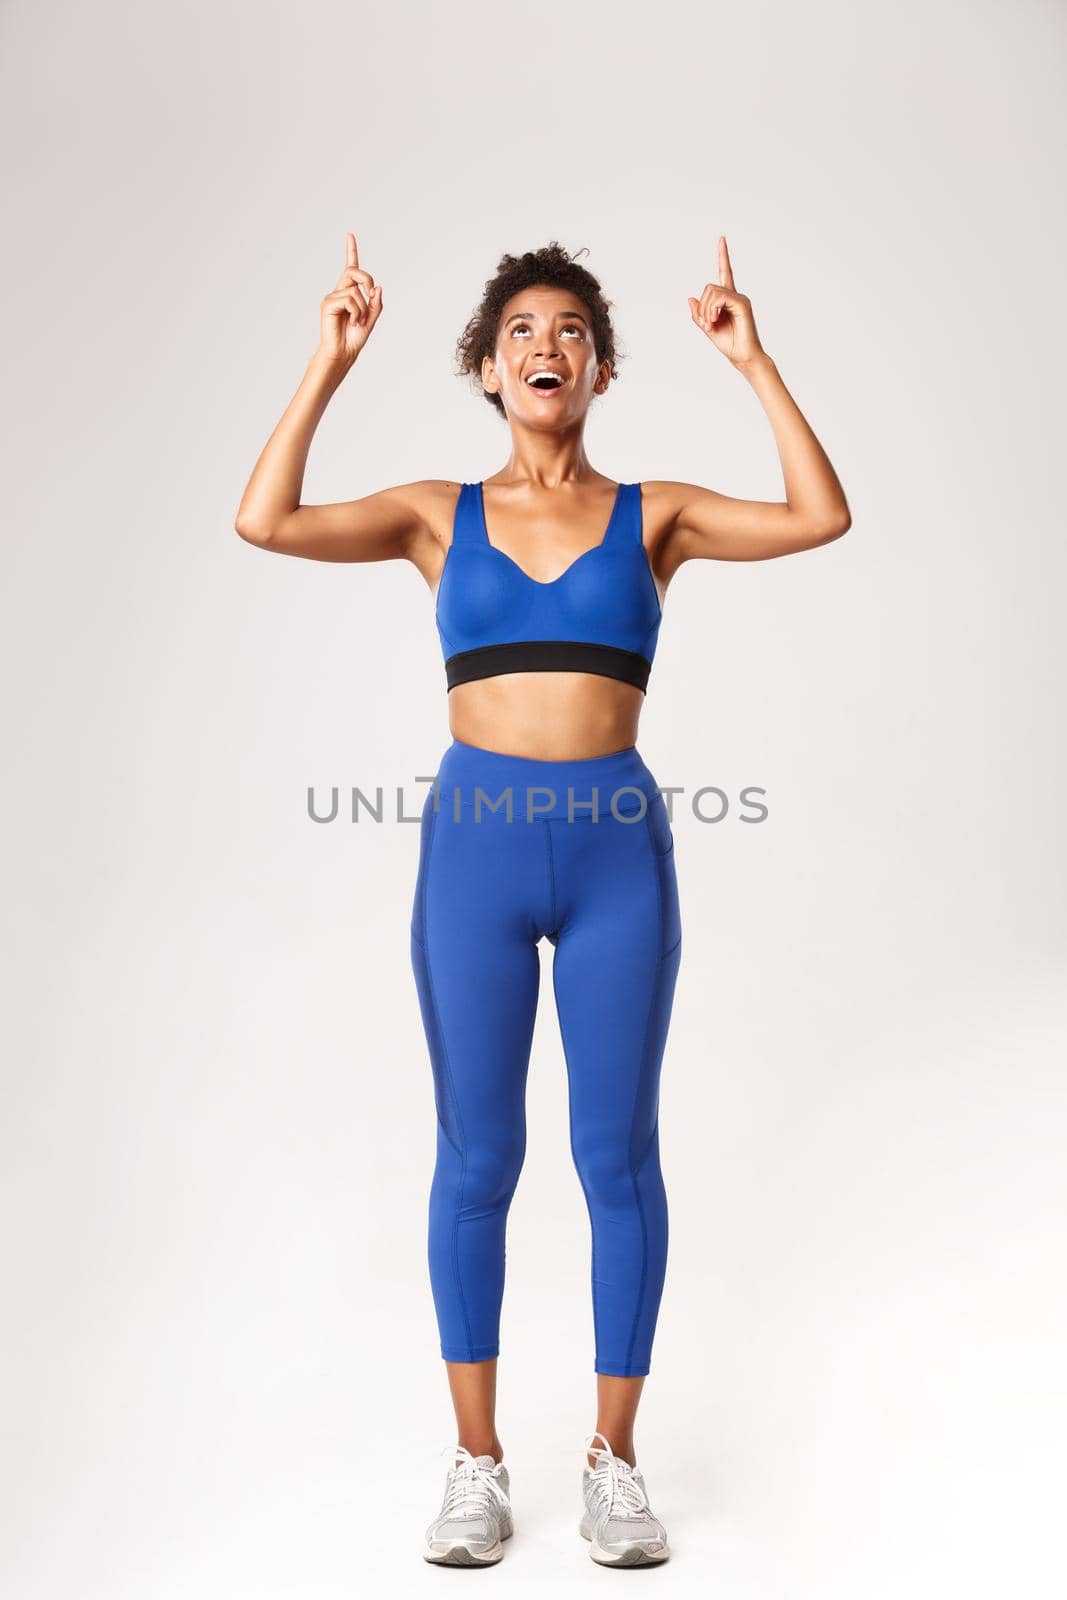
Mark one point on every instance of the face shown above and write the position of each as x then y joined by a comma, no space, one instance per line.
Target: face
545,330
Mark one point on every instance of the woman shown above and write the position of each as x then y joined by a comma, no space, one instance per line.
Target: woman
544,821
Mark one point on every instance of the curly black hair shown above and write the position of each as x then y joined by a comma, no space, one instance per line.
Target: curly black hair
551,266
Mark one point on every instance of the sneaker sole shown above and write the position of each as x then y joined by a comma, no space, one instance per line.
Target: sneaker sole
633,1555
459,1554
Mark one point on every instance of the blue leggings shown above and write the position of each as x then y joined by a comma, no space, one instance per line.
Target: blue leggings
605,895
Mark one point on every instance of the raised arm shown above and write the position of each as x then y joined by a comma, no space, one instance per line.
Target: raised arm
701,523
376,528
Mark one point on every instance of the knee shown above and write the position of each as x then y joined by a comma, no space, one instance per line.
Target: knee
491,1168
607,1174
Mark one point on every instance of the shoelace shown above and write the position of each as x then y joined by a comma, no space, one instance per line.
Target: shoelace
614,1479
470,1484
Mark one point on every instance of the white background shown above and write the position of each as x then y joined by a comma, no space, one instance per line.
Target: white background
220,1367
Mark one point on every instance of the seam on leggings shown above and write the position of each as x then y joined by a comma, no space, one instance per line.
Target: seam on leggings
635,1168
551,878
574,1156
455,1103
424,946
656,859
418,916
644,1154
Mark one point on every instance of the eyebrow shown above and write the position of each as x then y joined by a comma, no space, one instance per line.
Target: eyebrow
530,316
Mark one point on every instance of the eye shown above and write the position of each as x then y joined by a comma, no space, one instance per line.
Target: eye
570,327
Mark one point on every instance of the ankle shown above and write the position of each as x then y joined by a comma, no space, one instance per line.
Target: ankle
479,1447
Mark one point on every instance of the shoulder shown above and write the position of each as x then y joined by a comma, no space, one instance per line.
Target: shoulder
432,496
662,503
426,508
433,502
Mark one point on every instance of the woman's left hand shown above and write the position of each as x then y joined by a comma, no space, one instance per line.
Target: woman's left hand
726,316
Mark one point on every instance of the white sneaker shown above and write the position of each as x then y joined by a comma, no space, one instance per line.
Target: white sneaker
618,1520
475,1515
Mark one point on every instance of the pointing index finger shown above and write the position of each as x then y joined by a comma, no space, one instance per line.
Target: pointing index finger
725,271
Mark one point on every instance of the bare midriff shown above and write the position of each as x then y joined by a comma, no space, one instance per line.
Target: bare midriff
546,716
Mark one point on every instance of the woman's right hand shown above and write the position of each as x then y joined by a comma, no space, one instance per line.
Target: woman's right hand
346,317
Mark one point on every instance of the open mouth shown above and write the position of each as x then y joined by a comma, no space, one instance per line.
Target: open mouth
545,382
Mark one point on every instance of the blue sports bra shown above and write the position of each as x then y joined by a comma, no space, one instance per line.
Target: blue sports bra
601,615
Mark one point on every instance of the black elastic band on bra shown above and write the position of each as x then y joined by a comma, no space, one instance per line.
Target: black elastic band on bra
548,655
